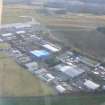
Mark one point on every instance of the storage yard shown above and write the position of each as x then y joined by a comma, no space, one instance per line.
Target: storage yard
68,71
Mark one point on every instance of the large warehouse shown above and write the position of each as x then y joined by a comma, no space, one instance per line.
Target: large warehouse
40,54
70,71
52,47
91,85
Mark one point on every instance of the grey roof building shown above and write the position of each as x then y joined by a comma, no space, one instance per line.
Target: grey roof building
71,71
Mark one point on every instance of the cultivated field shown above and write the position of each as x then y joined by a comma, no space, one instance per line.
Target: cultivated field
4,45
84,21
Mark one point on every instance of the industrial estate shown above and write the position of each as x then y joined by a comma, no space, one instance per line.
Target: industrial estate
60,67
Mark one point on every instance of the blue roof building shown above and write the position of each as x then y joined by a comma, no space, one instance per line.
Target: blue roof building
40,54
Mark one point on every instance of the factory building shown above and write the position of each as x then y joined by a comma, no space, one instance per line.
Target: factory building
60,89
20,32
31,66
1,40
21,25
39,54
51,47
91,85
47,77
7,35
23,59
71,72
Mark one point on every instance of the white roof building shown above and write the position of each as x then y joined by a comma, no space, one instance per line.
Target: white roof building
21,25
50,77
103,87
91,85
51,47
1,40
60,89
41,71
20,32
47,77
7,34
17,53
32,66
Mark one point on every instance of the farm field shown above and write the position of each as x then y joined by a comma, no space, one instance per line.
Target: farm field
16,81
84,21
76,30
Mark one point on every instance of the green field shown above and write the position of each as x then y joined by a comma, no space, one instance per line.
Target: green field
16,81
12,16
83,21
4,45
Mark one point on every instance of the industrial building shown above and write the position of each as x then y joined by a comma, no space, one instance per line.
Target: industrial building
70,71
51,47
91,85
20,32
21,25
60,89
6,34
40,54
47,77
41,71
68,57
1,40
32,66
16,53
23,59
